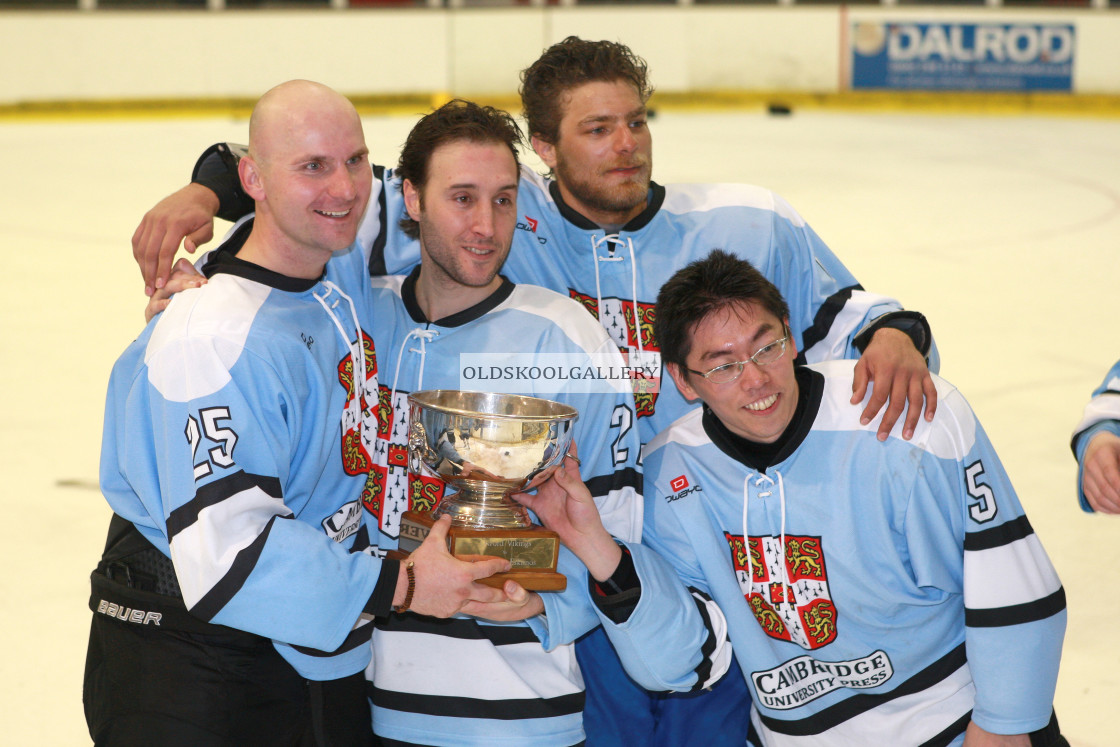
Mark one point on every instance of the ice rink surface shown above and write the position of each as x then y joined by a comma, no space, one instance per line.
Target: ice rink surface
1003,230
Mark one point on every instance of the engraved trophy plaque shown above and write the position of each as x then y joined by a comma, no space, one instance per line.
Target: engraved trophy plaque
487,446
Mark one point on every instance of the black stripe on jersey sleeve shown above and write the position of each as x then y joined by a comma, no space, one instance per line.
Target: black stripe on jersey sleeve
380,602
825,318
477,708
617,480
752,736
377,254
1016,614
847,709
359,636
226,588
461,628
704,668
951,732
1004,534
213,493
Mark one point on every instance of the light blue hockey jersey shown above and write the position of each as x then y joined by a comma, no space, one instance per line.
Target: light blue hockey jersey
1101,414
617,276
467,681
238,433
875,593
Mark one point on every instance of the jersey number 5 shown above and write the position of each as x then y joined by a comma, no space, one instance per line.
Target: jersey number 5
984,510
225,438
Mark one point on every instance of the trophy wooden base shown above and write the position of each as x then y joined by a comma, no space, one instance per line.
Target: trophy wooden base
531,552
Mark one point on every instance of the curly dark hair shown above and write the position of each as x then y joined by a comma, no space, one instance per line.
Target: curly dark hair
567,65
703,287
455,121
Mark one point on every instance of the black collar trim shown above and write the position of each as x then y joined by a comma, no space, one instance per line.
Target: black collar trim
759,457
224,261
653,204
459,318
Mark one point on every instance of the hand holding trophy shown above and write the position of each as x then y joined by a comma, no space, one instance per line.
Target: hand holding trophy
487,446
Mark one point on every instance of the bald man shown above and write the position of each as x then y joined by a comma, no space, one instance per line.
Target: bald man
233,599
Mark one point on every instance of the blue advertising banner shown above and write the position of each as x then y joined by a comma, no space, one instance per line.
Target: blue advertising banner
962,56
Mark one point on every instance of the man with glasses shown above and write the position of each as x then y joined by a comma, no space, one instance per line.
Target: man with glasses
874,593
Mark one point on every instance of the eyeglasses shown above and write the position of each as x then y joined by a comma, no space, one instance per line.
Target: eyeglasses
764,356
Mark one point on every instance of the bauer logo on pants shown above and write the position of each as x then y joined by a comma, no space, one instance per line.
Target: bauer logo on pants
127,614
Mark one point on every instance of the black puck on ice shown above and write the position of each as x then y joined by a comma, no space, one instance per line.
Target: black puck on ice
779,109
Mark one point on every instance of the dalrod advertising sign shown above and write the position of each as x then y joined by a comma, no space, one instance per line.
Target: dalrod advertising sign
962,56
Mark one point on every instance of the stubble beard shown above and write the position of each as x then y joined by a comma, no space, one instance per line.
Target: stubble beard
452,267
621,199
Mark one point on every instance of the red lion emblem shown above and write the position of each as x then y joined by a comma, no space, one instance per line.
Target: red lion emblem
786,587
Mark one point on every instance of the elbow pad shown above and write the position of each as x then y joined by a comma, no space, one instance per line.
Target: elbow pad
216,169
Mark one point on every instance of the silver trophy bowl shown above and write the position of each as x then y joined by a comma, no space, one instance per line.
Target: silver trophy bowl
487,446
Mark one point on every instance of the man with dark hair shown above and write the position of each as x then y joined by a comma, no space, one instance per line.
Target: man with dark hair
874,593
738,280
1096,444
456,121
468,682
592,95
570,64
